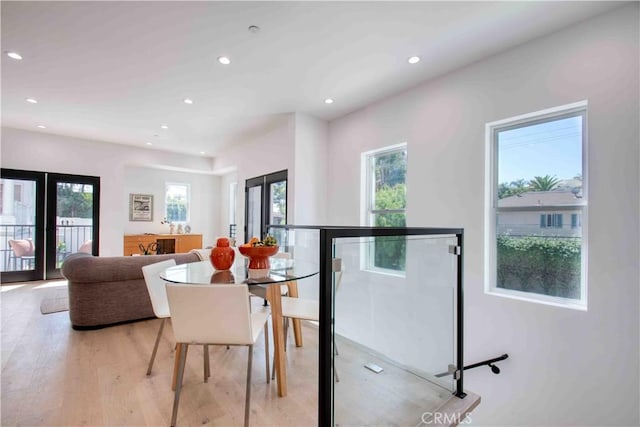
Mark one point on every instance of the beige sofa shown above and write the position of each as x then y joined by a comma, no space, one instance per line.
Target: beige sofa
104,291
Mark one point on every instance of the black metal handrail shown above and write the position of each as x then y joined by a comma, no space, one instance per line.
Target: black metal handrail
489,362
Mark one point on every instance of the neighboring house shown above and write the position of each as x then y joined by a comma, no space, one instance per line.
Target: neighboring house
562,218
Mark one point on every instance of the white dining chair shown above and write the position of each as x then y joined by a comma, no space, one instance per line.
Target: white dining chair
309,309
160,304
215,315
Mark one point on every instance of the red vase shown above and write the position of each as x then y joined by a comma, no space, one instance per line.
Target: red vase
222,255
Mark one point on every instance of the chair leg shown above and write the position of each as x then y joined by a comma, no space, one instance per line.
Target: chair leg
207,372
176,400
266,350
155,347
248,392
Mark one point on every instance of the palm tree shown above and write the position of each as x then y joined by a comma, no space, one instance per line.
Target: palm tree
543,183
512,189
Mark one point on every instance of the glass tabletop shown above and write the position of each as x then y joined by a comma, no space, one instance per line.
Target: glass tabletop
282,270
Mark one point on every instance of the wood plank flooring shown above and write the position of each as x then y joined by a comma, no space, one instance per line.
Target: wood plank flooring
55,376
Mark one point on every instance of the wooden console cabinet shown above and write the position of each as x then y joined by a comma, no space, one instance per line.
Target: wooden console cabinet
182,242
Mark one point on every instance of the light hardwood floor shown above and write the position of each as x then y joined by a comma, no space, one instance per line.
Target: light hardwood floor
55,376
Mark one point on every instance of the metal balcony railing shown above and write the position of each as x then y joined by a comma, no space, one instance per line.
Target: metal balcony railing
69,238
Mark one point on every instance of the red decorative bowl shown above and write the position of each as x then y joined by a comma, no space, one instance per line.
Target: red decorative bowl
258,255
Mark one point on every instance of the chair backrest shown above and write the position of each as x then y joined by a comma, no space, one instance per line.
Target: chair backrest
155,286
210,314
22,247
203,254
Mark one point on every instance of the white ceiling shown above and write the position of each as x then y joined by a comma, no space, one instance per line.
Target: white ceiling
117,71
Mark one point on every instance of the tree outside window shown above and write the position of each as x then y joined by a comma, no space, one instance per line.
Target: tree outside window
177,202
386,205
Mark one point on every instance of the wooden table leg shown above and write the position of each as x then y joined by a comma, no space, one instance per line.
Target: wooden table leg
297,326
274,298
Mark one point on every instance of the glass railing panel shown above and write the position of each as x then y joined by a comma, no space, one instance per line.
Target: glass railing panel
394,308
302,244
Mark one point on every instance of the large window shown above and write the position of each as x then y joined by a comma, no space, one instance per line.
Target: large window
385,204
536,241
177,202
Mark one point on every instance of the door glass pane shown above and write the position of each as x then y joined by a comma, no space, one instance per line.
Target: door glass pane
278,211
278,208
74,219
254,207
17,224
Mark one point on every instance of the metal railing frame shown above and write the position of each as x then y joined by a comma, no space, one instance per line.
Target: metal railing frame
326,325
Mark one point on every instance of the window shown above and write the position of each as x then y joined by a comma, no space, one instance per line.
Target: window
177,202
551,220
537,181
385,204
575,221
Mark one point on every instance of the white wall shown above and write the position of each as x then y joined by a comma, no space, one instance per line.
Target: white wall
260,154
37,151
225,195
311,145
205,194
566,367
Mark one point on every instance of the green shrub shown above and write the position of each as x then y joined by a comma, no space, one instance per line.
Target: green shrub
544,265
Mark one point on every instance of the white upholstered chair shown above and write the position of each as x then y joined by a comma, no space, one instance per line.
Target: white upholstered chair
215,315
160,304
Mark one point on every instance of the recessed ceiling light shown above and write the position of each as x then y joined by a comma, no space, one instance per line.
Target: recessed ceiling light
224,60
328,101
31,101
42,126
188,101
254,29
164,127
14,55
202,152
413,60
149,143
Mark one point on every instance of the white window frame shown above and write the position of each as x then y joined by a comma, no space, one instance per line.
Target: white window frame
166,205
367,256
491,209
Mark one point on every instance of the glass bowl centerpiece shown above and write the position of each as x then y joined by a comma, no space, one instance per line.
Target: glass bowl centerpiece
259,251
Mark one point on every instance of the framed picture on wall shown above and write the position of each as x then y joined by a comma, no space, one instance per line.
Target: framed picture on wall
140,207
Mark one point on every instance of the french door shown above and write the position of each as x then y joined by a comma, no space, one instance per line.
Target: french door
73,218
33,241
21,225
265,203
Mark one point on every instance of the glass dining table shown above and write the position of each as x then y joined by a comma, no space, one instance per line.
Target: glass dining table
267,285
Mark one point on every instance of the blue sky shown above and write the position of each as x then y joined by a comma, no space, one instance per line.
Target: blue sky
550,148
